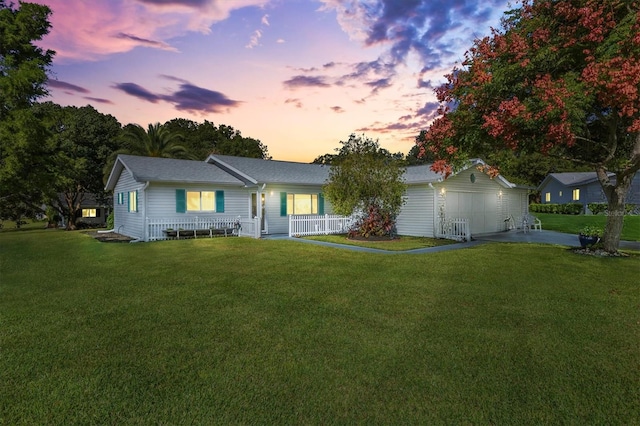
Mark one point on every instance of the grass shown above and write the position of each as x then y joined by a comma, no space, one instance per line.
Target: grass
238,331
403,243
573,224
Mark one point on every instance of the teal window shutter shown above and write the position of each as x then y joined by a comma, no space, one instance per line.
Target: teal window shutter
137,209
283,204
128,202
320,203
219,201
181,201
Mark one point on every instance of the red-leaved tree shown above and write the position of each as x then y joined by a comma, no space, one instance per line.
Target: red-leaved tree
560,77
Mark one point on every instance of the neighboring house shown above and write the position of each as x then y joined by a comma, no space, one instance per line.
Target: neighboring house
582,188
149,189
92,211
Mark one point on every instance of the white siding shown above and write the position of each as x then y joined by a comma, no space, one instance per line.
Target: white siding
126,222
517,201
485,202
161,200
416,216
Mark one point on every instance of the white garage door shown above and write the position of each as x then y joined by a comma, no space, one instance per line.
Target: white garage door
481,209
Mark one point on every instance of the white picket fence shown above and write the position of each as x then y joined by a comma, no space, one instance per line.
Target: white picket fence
301,225
200,226
455,229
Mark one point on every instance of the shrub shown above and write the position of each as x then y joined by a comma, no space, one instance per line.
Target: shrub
597,208
572,208
374,223
110,221
591,231
537,208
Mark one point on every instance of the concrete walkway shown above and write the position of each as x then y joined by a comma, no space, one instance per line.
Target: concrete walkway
532,237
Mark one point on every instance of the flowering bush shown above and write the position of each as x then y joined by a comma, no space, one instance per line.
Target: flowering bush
375,222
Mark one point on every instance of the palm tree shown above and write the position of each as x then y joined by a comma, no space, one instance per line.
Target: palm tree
156,141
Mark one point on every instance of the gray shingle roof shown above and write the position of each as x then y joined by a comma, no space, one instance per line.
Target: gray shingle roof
226,169
421,174
575,178
272,171
155,169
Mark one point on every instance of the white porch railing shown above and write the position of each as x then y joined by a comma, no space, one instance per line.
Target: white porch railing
455,229
249,227
160,228
301,225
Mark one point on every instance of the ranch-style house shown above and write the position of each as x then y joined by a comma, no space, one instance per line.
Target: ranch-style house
154,198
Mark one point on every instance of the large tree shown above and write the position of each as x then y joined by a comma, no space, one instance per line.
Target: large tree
82,140
203,139
366,180
23,74
23,65
559,77
157,141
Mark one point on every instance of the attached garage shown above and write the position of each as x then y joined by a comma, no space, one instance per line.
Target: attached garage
471,195
480,208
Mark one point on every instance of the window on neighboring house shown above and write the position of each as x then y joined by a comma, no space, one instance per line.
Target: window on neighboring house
547,197
89,213
301,204
560,193
120,197
133,201
576,194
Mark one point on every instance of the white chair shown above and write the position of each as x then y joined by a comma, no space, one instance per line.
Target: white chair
536,223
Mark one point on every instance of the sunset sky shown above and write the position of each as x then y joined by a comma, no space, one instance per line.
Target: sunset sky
299,75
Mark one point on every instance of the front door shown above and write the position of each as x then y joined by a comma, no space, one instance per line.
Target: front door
254,210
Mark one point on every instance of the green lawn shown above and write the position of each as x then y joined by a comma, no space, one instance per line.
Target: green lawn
242,331
573,224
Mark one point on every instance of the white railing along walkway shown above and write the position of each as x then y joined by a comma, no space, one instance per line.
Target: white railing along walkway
170,227
455,229
301,225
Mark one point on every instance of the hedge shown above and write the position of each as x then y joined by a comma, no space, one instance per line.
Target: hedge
569,208
576,208
597,208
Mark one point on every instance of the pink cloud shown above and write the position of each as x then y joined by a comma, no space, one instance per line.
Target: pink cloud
83,30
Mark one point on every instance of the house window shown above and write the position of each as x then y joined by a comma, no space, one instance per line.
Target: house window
576,194
88,212
120,197
302,204
201,201
547,197
560,193
133,201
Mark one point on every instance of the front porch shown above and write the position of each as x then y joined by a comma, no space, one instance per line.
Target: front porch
200,227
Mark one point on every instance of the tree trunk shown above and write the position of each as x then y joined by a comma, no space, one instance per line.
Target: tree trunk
74,201
616,196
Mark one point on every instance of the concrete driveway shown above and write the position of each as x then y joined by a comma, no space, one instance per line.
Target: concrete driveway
534,237
545,237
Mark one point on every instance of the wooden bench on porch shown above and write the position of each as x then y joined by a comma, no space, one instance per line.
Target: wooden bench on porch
195,233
